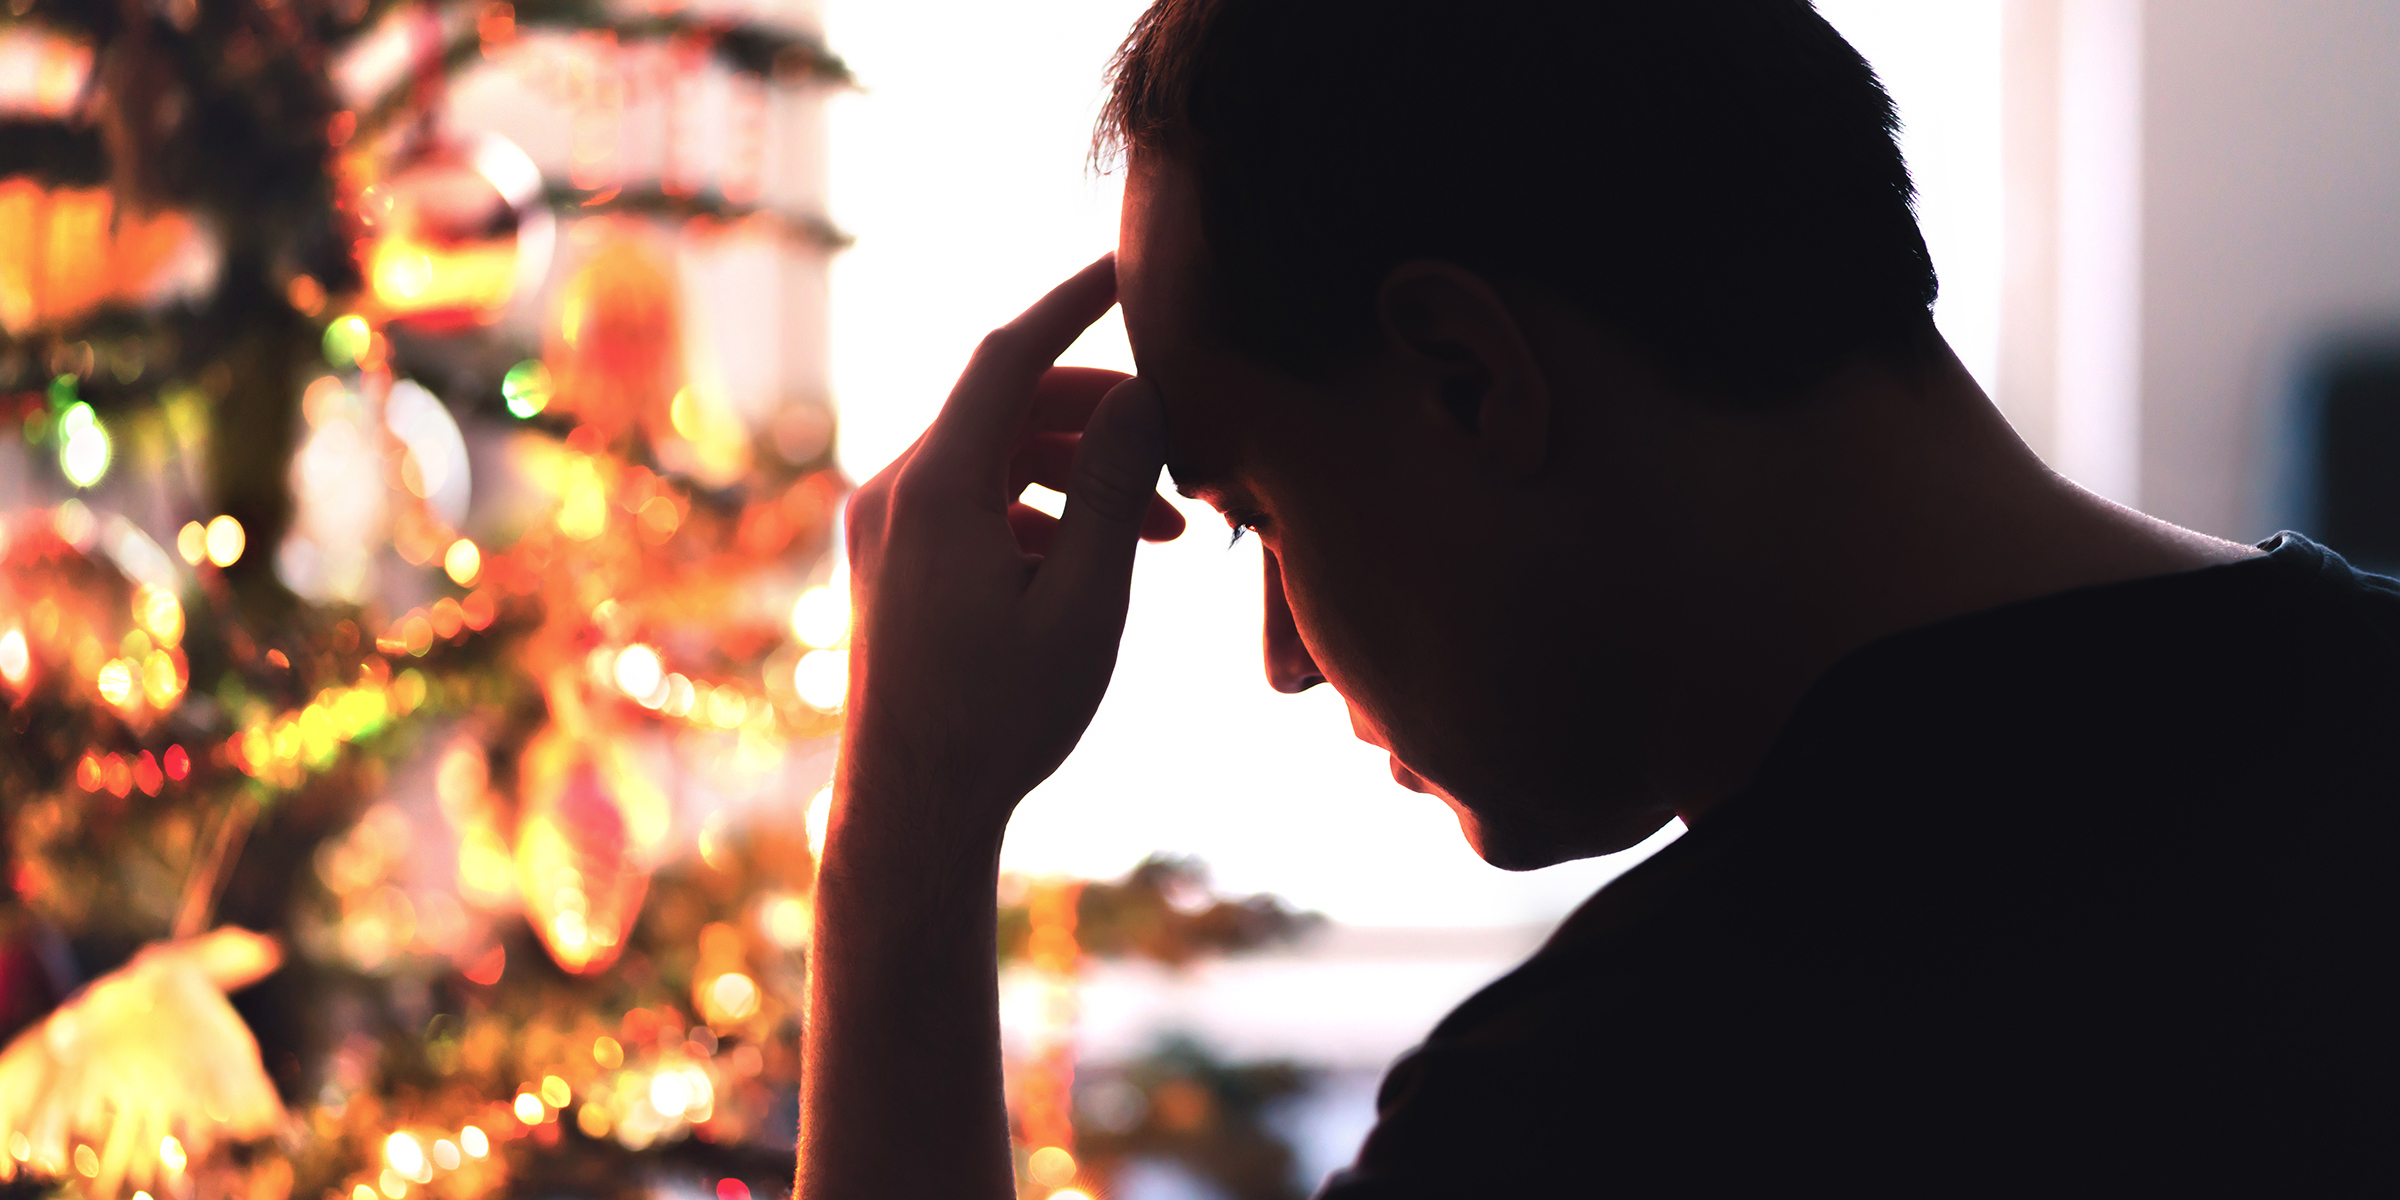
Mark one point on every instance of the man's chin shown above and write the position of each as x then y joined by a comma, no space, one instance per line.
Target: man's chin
1515,846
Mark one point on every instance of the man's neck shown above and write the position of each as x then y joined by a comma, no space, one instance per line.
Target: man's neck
1891,500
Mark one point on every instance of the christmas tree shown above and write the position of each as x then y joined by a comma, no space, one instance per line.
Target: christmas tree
419,646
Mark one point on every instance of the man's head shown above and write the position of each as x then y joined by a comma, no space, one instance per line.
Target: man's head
1401,269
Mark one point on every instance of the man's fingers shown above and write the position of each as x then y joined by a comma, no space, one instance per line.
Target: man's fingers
1108,496
1049,460
968,445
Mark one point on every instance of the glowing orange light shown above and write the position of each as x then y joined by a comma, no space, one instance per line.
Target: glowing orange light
529,1108
66,251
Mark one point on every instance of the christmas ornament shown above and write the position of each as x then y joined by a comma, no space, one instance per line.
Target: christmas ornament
455,228
580,855
615,353
143,1072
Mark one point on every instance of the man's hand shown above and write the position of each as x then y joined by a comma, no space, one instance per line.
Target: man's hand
985,635
986,631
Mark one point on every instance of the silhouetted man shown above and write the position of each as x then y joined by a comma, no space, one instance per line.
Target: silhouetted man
1573,364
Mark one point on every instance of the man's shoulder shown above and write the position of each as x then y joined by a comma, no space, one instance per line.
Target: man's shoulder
2104,869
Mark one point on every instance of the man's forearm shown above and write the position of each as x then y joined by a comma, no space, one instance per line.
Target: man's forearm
901,1091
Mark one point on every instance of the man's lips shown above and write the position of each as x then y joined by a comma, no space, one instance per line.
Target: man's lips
1409,779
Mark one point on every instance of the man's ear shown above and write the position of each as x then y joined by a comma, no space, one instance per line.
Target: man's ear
1450,328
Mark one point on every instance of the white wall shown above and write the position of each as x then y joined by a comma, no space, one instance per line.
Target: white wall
2271,221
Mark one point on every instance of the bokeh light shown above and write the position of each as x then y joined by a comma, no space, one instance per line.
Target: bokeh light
526,388
639,673
225,541
821,617
1051,1166
83,445
191,542
16,658
463,562
822,677
347,338
404,1155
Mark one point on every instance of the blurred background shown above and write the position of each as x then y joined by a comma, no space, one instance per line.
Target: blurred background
427,425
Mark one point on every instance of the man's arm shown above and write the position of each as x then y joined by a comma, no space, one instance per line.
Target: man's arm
975,666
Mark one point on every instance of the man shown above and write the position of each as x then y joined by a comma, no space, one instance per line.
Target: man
1573,364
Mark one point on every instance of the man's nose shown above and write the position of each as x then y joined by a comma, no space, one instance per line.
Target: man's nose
1289,667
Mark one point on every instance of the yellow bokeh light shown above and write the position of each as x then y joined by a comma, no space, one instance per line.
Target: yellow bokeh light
404,1154
170,1152
362,1192
734,996
1051,1166
639,673
162,680
20,1147
191,542
821,617
822,678
529,1108
87,1162
445,1154
785,919
392,1184
670,1094
160,613
225,541
607,1052
463,562
1070,1194
820,812
592,1120
16,658
474,1142
555,1092
115,682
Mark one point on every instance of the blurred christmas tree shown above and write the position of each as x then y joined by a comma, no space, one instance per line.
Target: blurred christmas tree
417,549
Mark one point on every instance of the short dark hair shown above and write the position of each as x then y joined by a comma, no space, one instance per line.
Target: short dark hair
1717,177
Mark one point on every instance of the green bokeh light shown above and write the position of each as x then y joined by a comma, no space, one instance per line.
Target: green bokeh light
347,338
526,387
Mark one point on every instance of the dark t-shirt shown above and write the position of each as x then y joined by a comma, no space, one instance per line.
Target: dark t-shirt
2096,892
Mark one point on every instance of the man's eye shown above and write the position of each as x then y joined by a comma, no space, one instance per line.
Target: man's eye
1242,522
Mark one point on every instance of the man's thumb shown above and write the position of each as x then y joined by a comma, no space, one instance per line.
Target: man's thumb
1116,468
